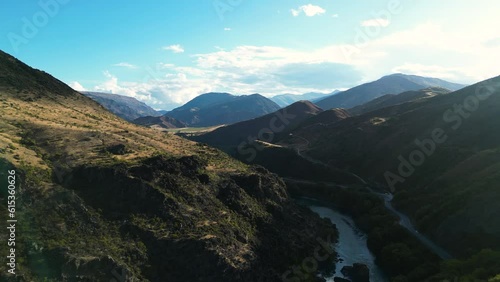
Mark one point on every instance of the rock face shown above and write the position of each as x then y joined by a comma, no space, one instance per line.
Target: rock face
232,229
357,272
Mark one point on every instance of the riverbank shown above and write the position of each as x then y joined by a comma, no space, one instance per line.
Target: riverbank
397,252
352,243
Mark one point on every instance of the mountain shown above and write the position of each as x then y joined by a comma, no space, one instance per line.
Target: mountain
222,108
315,100
264,127
391,84
288,99
161,121
125,107
440,155
391,99
101,199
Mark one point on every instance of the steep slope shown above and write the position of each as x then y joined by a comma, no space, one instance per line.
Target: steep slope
391,84
101,199
264,128
440,156
125,107
222,108
161,122
391,99
285,100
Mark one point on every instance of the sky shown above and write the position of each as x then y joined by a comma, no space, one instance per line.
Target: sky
166,52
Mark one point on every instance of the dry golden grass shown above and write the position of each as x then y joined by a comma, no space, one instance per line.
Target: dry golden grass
78,129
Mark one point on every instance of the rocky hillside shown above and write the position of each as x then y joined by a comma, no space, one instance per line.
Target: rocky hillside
101,199
125,107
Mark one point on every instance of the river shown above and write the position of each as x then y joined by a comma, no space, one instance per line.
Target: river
351,247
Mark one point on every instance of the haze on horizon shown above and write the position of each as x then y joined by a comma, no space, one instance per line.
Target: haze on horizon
165,53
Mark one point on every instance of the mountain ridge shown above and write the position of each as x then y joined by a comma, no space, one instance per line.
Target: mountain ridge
222,108
125,107
390,84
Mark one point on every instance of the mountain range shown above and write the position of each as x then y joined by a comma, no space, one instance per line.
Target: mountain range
222,108
433,152
264,127
391,84
392,99
99,195
436,150
125,107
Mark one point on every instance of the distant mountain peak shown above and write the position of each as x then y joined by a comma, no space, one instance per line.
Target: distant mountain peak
214,108
390,84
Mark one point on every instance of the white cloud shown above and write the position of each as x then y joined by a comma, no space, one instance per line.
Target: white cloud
77,86
309,10
427,49
125,65
376,22
429,70
335,15
227,29
174,48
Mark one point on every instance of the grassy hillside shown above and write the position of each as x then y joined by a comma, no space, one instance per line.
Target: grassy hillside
101,199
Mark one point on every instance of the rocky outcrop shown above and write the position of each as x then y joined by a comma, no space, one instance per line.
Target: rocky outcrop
357,272
192,225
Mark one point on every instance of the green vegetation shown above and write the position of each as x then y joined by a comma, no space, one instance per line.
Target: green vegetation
397,252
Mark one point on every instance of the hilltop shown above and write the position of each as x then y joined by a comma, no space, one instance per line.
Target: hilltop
391,99
222,108
264,127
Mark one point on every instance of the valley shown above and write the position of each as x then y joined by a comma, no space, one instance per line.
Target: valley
250,141
365,145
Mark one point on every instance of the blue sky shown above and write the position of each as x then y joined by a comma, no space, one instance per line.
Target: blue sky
166,52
